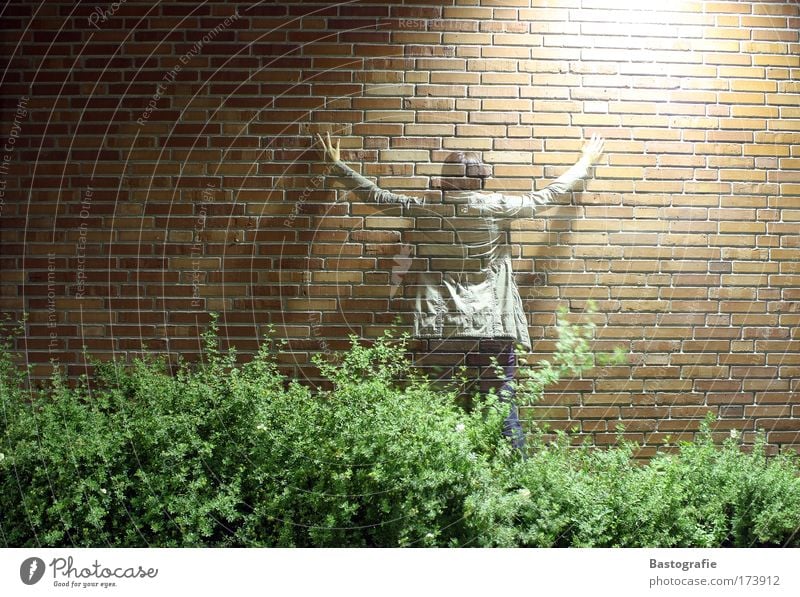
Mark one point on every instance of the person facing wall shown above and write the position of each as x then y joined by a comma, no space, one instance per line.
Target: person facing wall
477,297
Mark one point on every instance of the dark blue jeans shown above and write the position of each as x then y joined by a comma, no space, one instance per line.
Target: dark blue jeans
507,360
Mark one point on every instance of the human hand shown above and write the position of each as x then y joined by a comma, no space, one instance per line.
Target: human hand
330,152
593,149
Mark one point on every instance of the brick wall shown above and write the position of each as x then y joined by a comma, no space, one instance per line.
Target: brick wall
157,166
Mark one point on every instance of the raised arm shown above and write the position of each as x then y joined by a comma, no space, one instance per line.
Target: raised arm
374,192
526,205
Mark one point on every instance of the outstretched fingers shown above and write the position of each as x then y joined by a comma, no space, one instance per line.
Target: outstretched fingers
593,148
597,144
327,146
331,153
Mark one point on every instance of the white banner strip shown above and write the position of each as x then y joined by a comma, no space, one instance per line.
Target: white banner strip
387,572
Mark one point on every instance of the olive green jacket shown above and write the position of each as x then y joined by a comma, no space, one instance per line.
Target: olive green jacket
468,289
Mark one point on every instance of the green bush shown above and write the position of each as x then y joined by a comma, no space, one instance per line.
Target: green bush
703,496
137,457
372,462
227,454
221,454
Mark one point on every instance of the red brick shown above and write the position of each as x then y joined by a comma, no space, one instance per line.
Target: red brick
685,235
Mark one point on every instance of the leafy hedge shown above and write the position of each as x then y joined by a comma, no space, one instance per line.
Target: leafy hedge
222,454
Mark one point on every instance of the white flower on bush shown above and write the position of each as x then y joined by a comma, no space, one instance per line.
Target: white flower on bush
734,434
472,457
103,490
460,427
524,492
429,536
261,427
